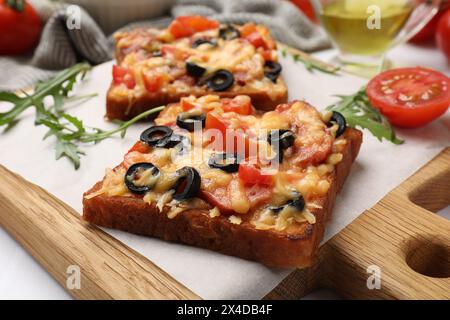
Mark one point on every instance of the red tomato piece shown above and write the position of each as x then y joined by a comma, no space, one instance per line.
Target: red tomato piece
198,23
123,75
240,104
186,105
410,97
140,147
266,53
213,121
178,30
185,26
251,175
257,40
153,83
248,29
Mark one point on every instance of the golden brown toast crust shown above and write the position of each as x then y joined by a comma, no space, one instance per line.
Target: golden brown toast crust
195,227
124,109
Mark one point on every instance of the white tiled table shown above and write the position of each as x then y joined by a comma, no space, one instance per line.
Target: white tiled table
23,278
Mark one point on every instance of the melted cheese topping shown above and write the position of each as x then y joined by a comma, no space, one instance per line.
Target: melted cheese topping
311,180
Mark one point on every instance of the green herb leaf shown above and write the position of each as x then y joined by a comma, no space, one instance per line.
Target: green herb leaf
310,64
358,112
57,87
68,149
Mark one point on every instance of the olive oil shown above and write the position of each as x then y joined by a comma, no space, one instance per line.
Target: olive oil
365,27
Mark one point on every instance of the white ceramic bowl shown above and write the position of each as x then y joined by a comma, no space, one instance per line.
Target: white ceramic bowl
113,14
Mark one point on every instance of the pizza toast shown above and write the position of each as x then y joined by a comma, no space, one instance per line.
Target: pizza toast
234,206
193,56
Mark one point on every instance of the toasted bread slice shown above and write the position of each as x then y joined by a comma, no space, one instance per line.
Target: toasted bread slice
152,67
313,166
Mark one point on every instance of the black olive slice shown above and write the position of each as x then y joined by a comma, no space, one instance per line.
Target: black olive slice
284,137
134,173
194,70
298,202
221,80
338,118
156,135
201,41
229,33
272,70
227,162
173,141
187,120
189,182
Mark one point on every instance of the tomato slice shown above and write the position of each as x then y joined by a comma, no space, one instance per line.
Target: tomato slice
410,97
178,30
185,26
186,105
198,23
251,175
240,104
257,40
140,147
153,83
232,140
266,54
247,29
252,35
123,75
213,121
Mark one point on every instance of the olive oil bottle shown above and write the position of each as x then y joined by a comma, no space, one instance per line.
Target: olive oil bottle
364,27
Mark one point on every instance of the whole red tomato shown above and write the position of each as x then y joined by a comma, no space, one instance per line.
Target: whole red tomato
20,27
307,8
443,34
428,32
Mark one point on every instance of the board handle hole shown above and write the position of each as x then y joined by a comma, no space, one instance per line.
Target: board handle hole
433,194
429,256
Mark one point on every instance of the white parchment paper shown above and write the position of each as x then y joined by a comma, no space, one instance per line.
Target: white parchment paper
379,168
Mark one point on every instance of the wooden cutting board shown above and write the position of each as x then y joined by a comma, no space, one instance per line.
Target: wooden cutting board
399,249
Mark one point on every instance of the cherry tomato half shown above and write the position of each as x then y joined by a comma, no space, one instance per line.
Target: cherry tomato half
410,97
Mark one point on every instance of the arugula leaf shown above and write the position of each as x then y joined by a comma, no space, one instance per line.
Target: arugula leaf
65,148
58,87
70,131
359,112
310,64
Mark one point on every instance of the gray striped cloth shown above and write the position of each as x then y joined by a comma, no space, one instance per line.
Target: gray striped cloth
60,46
